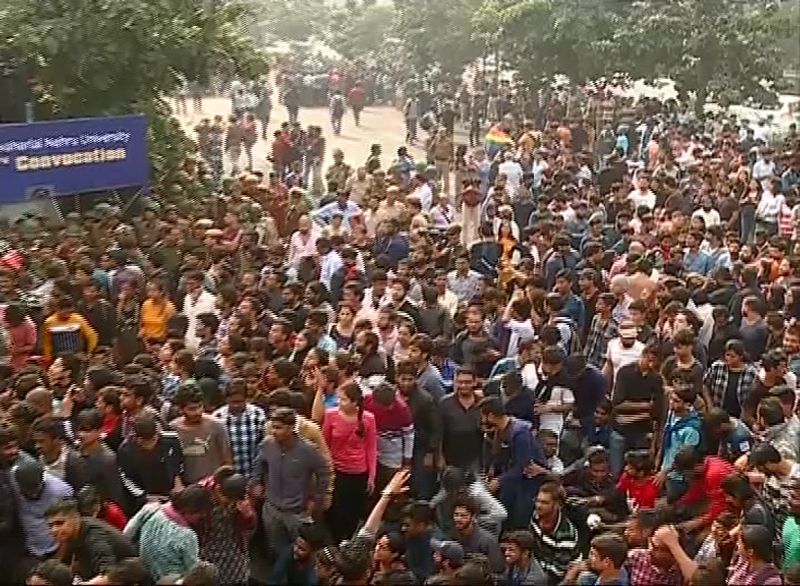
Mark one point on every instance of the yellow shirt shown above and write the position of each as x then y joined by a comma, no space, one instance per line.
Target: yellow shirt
155,317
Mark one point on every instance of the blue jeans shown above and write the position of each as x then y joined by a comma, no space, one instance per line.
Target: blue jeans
518,499
616,454
423,480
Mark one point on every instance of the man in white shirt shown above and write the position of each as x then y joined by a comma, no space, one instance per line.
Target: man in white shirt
538,168
422,191
443,215
446,297
764,167
330,261
762,131
513,172
643,195
708,213
196,302
303,243
621,351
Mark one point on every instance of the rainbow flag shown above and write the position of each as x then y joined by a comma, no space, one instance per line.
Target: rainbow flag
496,139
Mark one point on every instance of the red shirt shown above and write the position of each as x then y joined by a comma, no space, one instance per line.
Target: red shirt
708,486
114,516
358,97
110,423
351,454
643,491
21,336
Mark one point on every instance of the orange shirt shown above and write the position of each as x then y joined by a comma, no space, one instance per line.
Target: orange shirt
155,317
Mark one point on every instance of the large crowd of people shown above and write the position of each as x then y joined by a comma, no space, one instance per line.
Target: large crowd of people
566,354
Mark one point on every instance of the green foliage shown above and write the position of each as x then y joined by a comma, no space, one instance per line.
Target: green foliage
541,38
715,48
720,48
357,31
107,57
438,32
292,20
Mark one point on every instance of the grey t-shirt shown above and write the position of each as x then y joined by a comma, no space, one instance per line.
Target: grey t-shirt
205,447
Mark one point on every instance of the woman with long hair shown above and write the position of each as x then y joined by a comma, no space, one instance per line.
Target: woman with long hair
343,330
303,343
402,347
351,435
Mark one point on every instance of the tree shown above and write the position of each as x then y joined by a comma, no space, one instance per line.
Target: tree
438,32
292,20
357,31
104,57
715,48
542,38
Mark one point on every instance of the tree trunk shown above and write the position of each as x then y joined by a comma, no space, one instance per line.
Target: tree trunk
700,100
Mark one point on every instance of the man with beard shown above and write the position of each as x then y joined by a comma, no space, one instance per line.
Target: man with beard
513,486
475,539
373,358
310,538
593,487
637,403
389,242
521,567
400,301
748,281
292,296
427,430
621,351
428,377
555,537
791,347
280,333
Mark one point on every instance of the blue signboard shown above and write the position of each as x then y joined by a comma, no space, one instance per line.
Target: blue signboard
65,157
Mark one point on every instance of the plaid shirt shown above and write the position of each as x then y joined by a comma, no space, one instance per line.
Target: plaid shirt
597,340
245,432
716,379
777,492
642,572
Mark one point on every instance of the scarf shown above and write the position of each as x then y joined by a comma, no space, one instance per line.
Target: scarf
171,513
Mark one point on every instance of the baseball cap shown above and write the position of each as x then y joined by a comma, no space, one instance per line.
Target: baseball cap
451,551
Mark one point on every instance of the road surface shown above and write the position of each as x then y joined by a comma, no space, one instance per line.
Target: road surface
383,125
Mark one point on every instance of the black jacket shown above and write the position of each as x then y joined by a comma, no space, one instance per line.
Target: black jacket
138,476
427,422
98,548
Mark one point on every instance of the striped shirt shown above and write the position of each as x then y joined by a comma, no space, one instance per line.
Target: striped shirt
554,551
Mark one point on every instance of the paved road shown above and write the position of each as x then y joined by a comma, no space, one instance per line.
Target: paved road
379,124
